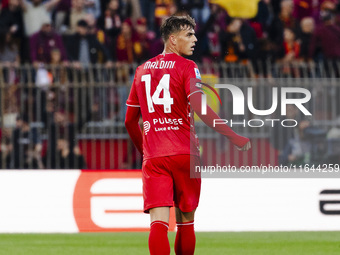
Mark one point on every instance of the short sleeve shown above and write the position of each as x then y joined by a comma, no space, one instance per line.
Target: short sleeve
191,77
133,98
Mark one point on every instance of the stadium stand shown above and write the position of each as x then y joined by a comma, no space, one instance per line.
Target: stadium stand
63,92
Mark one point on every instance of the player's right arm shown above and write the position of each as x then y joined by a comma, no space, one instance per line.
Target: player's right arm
132,126
132,116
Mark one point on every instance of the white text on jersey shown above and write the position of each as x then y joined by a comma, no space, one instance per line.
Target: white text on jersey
159,64
168,121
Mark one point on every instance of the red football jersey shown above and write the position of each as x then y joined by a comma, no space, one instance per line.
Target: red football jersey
161,88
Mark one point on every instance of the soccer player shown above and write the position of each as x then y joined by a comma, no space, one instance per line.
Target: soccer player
162,92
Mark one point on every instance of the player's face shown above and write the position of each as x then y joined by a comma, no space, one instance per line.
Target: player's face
186,41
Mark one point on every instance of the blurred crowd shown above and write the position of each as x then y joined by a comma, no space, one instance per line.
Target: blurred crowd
59,39
80,32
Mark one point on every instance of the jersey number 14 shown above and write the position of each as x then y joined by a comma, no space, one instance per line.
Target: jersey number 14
166,100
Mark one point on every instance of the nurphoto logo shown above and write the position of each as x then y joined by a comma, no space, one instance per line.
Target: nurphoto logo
302,96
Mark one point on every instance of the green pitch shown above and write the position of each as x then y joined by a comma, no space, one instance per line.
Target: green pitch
235,243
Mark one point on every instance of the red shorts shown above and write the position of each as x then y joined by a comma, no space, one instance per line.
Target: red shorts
167,182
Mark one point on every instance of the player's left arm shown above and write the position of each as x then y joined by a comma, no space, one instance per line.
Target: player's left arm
192,77
241,142
132,126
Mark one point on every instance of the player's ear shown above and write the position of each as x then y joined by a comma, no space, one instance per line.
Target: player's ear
173,39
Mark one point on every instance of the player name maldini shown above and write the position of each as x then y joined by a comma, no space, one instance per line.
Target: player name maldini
159,64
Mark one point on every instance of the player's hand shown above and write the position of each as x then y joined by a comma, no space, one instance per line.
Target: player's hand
246,147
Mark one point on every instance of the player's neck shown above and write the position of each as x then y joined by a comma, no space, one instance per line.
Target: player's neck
168,49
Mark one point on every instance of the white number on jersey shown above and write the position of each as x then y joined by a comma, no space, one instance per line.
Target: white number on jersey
166,100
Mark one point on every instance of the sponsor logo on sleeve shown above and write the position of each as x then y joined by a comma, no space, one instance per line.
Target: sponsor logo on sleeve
197,73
